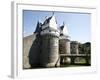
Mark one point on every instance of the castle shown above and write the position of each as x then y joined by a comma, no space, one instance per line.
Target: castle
43,48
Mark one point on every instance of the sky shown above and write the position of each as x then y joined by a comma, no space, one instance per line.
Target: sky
78,24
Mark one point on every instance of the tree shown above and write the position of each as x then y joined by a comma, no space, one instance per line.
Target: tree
87,48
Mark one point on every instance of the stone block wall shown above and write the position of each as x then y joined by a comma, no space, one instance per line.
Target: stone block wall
30,51
49,51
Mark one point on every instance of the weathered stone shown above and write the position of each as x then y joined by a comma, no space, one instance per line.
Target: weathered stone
31,51
64,48
50,51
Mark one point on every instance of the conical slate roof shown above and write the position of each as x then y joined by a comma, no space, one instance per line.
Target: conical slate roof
51,21
64,29
47,20
38,27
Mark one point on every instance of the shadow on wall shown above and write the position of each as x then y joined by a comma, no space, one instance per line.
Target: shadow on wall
34,52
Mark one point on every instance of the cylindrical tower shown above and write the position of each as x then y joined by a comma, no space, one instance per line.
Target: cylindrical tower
49,56
64,48
64,44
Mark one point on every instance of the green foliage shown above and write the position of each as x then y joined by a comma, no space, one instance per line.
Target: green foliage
85,48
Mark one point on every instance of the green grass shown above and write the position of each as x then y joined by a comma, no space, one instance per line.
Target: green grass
74,65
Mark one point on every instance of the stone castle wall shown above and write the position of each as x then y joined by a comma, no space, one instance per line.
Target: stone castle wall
49,51
74,47
30,51
36,53
64,48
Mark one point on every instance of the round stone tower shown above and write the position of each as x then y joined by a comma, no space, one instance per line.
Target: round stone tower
64,44
49,56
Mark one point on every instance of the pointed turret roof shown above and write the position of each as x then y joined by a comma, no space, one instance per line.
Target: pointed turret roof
51,21
64,29
38,27
47,20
